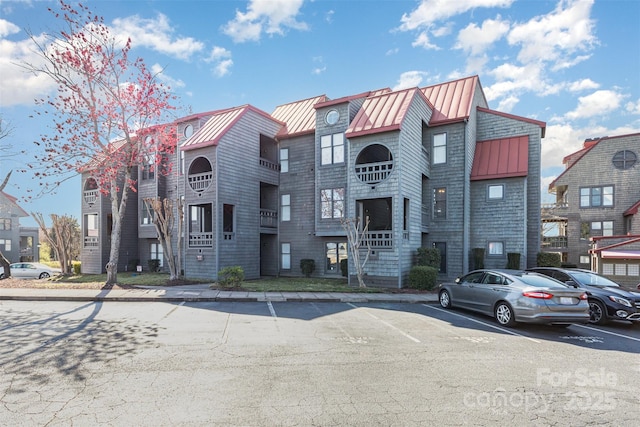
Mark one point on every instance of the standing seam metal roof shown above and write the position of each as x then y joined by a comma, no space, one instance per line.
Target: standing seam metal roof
382,113
501,158
299,117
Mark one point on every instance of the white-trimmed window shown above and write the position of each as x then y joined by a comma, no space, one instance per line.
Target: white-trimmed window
604,227
495,192
285,207
5,244
284,160
585,259
285,254
332,149
607,269
633,270
146,217
332,203
495,249
156,252
439,148
5,223
228,222
620,269
594,197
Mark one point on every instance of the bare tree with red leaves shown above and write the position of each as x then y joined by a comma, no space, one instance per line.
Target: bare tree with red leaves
108,113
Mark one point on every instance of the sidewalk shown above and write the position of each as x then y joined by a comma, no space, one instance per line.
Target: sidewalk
202,293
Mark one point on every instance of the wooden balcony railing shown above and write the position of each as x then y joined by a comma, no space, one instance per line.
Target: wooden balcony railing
200,181
379,240
554,242
200,240
373,173
268,218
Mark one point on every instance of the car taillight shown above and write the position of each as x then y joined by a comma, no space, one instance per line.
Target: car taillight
538,294
583,296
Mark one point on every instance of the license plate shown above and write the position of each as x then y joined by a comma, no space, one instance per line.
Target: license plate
566,300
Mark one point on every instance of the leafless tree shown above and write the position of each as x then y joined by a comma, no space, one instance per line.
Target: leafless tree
164,218
359,246
62,237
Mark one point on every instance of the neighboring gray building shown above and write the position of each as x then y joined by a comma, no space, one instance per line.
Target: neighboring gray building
16,243
427,167
596,208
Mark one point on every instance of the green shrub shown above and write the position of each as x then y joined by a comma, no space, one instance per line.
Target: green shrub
77,267
477,255
423,277
307,266
429,257
344,267
154,265
548,259
513,260
231,277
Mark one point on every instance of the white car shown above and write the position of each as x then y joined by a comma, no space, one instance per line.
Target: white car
30,270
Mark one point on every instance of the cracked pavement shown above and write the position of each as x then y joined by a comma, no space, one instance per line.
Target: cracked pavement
300,364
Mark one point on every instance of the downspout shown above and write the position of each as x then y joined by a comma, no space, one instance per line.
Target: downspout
215,218
525,221
466,211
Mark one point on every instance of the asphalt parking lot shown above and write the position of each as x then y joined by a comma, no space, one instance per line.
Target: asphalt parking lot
306,363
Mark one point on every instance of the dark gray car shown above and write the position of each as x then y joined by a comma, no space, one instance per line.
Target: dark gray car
512,296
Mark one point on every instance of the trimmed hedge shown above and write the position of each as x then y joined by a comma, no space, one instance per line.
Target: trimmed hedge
423,277
548,259
307,266
429,257
231,277
513,261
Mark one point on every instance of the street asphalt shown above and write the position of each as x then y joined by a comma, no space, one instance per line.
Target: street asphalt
195,293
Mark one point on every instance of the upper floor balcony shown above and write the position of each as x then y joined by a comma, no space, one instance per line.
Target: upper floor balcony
555,242
373,173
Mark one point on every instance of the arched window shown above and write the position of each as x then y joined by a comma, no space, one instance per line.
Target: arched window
200,174
374,164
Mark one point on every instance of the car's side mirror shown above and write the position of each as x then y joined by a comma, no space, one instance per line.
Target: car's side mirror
457,280
571,283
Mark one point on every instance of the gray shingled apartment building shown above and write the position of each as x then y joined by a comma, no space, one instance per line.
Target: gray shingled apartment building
426,167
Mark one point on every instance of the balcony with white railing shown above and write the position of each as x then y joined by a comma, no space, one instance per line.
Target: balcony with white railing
269,164
373,173
379,240
90,196
200,240
557,205
91,241
557,242
268,218
200,181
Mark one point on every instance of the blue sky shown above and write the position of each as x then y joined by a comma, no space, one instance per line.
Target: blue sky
571,63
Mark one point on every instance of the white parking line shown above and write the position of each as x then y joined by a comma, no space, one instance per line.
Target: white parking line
607,332
271,310
388,324
482,323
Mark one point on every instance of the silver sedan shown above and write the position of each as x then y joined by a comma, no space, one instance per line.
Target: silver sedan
30,270
516,296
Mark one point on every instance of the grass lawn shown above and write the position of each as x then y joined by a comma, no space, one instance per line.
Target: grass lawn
271,284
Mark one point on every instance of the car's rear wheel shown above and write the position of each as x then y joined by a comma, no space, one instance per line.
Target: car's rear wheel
445,299
597,313
504,314
44,275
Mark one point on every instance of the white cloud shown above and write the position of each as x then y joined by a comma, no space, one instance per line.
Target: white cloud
557,35
410,79
476,40
431,11
583,84
633,107
156,34
319,70
598,103
7,28
268,16
424,18
221,57
165,78
17,86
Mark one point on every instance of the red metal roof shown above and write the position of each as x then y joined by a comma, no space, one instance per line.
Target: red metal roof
299,117
633,209
501,158
217,126
383,113
452,100
344,99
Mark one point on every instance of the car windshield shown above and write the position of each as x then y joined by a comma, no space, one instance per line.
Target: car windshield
593,279
540,281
